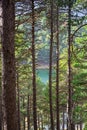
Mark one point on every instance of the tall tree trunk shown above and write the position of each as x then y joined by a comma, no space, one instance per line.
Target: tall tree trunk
0,20
34,69
8,59
80,125
72,126
38,121
77,127
28,112
42,122
50,69
57,74
18,103
67,124
24,114
0,109
24,122
69,68
0,70
63,120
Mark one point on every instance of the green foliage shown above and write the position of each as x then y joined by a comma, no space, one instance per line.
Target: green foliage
23,54
85,128
64,3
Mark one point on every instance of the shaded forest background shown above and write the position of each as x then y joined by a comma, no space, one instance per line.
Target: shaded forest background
43,65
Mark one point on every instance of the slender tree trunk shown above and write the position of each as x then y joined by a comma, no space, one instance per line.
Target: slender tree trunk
8,70
72,126
67,124
24,123
30,109
69,69
34,69
77,127
80,125
18,103
42,122
24,114
28,112
57,74
50,69
0,110
48,119
0,20
38,122
0,71
63,120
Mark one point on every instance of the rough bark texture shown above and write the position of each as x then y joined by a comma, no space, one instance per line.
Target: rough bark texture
57,74
0,19
77,127
0,110
69,69
28,112
63,120
34,69
0,72
24,113
18,103
72,126
8,70
80,125
50,69
38,122
42,125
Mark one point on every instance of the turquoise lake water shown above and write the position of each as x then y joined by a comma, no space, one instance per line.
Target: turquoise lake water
43,74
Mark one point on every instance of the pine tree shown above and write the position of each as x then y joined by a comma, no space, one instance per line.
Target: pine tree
69,68
34,69
50,68
8,71
57,73
18,98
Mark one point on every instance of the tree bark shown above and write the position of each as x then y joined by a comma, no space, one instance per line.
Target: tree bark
0,70
24,122
57,75
0,109
72,126
34,69
24,126
18,97
69,69
50,69
77,127
28,112
8,70
38,122
80,125
63,120
42,122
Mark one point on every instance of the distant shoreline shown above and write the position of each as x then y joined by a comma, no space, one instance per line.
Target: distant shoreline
42,67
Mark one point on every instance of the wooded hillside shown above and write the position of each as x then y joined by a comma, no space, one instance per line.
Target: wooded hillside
43,65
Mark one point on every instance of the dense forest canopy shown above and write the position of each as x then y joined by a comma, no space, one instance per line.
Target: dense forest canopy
43,65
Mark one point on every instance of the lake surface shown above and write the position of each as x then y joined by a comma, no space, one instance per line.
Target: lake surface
43,74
